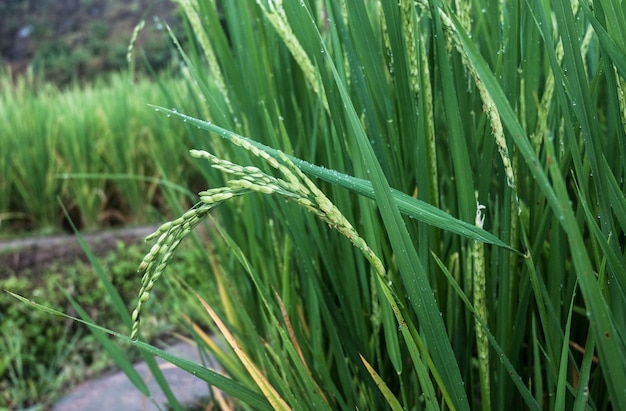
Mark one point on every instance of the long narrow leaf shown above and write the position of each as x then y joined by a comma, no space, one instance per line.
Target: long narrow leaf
408,205
609,344
531,403
268,390
114,352
391,399
119,306
414,277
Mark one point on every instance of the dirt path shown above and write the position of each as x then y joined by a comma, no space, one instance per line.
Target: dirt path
32,253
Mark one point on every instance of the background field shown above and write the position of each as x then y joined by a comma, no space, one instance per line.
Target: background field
76,132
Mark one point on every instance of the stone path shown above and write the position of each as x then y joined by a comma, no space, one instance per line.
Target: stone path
116,392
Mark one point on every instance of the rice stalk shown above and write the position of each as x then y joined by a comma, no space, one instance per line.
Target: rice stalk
479,289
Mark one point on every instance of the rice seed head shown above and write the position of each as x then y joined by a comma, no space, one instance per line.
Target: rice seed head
191,11
156,261
489,106
296,186
131,46
408,24
479,291
278,19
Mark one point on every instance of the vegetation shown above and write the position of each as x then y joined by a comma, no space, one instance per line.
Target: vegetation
83,147
43,355
470,188
104,133
87,150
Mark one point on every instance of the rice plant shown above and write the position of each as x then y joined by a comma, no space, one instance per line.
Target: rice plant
434,209
98,148
474,150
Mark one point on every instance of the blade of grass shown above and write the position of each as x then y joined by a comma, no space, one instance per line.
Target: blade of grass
217,380
223,383
614,14
111,291
101,335
112,350
268,390
582,394
618,56
563,363
461,165
609,344
415,280
576,83
617,265
530,401
410,206
380,383
120,307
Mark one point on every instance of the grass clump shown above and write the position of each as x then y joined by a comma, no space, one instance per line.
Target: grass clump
491,114
45,354
91,147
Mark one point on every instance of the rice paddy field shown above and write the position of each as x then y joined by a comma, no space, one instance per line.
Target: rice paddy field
403,205
89,149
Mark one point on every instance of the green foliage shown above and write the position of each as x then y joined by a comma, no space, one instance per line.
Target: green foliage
43,355
492,107
58,61
67,41
487,106
93,147
46,353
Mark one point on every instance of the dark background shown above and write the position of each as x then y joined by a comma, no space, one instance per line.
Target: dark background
64,40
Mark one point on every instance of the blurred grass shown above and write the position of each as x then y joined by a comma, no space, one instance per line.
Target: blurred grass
91,146
45,356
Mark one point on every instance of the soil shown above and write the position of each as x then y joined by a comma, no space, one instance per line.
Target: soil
33,254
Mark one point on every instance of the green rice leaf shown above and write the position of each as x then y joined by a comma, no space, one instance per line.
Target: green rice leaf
408,205
531,403
414,277
101,335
